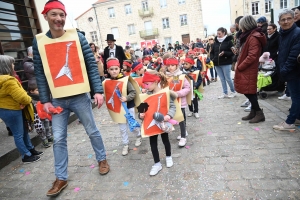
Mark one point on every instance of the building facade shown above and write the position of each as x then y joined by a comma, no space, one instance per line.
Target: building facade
141,22
258,8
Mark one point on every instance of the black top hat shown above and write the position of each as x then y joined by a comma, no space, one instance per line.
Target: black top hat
110,37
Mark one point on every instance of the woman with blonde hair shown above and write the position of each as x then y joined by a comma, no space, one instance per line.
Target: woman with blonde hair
252,41
13,98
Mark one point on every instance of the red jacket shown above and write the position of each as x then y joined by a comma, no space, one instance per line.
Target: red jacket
245,80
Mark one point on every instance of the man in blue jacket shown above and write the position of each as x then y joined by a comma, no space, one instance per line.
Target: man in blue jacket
55,14
289,49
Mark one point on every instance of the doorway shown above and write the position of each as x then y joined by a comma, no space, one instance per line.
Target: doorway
186,38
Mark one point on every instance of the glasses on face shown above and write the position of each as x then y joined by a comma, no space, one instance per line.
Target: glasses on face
289,19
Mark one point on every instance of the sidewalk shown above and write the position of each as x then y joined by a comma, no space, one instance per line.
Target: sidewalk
225,158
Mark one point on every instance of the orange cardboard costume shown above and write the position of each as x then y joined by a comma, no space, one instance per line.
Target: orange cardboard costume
158,102
63,64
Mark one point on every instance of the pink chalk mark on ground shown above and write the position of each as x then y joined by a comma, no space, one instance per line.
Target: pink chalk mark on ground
209,133
27,173
200,120
257,129
76,189
134,149
92,166
187,147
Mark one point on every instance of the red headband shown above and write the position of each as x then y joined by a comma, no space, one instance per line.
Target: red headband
54,5
148,58
127,64
139,66
189,60
148,77
171,61
111,63
191,52
179,51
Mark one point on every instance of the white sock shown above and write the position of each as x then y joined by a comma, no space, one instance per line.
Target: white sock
157,164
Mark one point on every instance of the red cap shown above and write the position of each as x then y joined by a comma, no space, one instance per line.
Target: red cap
148,77
54,5
112,62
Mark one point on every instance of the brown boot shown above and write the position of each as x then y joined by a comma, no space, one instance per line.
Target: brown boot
57,187
259,117
250,116
103,167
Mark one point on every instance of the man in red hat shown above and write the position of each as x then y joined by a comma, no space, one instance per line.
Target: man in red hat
73,56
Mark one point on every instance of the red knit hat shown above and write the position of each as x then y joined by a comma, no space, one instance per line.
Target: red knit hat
54,5
148,77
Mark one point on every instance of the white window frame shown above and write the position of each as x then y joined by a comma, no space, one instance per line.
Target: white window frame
115,32
268,6
166,23
145,5
181,2
183,22
94,36
297,3
111,12
257,7
282,3
163,3
167,40
128,9
131,29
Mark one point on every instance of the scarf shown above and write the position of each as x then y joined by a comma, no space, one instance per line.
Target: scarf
221,39
177,72
128,56
245,34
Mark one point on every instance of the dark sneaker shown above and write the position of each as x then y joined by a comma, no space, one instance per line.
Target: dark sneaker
35,152
46,143
50,139
30,159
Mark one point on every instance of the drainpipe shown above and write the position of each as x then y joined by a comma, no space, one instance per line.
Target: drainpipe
98,26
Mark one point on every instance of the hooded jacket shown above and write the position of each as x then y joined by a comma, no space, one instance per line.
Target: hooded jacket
12,94
245,80
218,47
29,70
289,49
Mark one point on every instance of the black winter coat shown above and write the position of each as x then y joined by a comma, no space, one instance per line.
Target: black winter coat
29,70
218,47
119,54
272,45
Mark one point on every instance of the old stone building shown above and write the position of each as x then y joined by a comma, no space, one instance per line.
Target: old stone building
143,22
258,8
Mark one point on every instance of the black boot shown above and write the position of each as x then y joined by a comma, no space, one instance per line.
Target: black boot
250,116
259,117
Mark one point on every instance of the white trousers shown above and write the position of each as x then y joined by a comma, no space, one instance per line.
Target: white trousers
124,129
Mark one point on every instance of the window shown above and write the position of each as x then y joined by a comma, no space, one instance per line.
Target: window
128,9
297,2
183,20
115,32
94,36
167,41
134,46
181,1
268,6
145,5
163,3
131,30
283,4
165,22
111,12
255,8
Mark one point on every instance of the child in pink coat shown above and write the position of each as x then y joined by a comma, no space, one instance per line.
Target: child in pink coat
174,71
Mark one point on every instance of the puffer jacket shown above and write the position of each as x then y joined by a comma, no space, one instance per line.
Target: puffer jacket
218,47
12,94
245,80
186,88
29,70
90,63
289,49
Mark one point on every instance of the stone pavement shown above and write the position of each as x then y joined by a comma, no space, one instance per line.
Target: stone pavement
225,158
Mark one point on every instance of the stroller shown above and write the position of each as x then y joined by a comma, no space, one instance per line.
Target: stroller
268,76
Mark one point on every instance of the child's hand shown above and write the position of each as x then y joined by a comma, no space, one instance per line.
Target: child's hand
123,99
142,115
22,106
167,118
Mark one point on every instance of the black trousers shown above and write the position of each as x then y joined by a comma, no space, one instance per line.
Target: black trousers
154,149
194,105
182,124
254,101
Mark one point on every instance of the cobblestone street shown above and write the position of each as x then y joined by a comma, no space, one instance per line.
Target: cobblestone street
225,158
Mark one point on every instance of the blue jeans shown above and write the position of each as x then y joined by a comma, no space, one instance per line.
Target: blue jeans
294,89
14,120
225,76
81,106
212,72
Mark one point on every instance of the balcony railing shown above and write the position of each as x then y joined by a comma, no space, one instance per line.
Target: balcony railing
146,12
150,33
